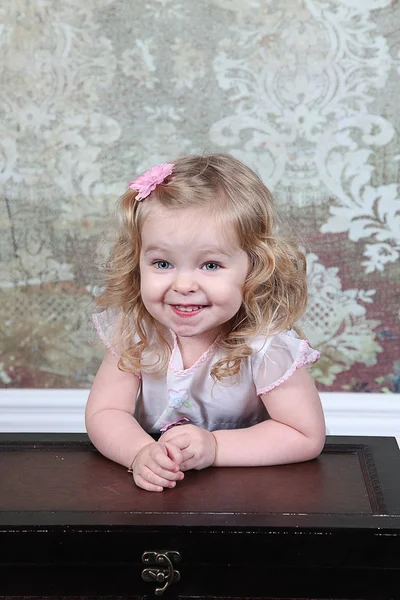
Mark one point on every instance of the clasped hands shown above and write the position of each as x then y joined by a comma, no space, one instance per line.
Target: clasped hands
161,464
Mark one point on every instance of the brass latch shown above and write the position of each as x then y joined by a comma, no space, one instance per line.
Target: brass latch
166,573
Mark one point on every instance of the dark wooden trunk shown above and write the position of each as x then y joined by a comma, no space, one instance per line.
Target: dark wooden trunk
73,524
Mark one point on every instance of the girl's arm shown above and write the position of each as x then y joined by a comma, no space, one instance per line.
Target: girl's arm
109,413
294,433
116,433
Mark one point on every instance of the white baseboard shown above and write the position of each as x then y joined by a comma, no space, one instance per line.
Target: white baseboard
62,411
42,411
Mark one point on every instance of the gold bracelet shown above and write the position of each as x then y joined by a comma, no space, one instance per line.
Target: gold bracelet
130,470
215,448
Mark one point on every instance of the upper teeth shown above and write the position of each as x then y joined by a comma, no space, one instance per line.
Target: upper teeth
188,308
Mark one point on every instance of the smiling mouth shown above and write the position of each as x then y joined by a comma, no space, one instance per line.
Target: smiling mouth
187,311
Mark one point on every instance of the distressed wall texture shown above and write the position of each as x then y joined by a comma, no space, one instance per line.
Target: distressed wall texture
306,93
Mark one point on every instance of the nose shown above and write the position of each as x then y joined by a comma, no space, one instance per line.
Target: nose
185,283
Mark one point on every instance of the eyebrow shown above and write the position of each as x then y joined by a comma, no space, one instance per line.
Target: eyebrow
208,250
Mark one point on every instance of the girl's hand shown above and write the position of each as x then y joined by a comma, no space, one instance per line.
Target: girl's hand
198,446
157,466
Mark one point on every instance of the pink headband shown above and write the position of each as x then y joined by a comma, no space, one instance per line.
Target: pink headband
147,183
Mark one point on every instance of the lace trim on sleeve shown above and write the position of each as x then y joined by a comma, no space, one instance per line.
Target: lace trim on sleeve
102,336
106,342
301,361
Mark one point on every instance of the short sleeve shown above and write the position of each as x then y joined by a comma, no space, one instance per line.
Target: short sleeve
278,359
108,325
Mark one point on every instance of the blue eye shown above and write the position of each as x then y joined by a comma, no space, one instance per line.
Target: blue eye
163,265
211,266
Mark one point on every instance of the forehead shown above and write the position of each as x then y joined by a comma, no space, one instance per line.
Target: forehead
192,227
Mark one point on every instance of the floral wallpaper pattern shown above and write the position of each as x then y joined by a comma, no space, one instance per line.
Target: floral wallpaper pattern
305,92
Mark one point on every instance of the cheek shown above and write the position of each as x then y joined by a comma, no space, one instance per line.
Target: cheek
151,285
146,287
237,290
229,293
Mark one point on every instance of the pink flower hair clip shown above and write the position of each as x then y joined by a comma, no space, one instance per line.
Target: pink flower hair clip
147,183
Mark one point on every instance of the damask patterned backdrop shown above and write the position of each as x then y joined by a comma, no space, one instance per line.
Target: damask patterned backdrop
305,92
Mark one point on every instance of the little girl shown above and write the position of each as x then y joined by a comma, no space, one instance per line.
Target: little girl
200,302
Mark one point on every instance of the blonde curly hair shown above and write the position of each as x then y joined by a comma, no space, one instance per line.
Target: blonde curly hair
274,292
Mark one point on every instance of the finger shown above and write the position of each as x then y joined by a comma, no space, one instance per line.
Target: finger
188,454
181,441
149,475
189,464
167,461
174,453
146,485
166,474
184,454
173,433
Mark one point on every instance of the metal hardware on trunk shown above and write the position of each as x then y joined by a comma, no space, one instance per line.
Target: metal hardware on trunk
166,574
